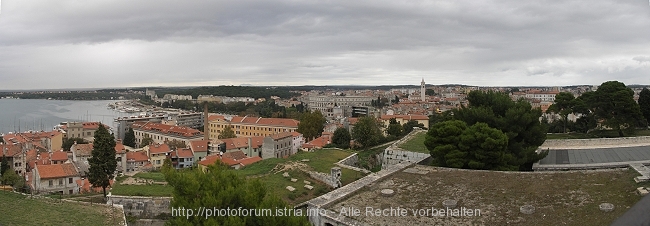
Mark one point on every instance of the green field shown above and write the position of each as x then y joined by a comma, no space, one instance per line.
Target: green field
17,209
416,144
320,161
155,176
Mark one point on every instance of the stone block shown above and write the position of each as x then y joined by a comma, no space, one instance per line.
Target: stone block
642,191
309,187
291,188
294,179
285,174
307,182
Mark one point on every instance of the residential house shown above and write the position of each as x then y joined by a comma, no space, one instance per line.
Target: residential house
55,178
136,161
182,158
58,157
199,149
120,156
157,154
277,145
319,142
251,146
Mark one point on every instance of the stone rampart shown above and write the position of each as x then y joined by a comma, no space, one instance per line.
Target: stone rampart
595,143
142,207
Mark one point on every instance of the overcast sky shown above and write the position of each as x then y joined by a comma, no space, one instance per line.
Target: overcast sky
90,44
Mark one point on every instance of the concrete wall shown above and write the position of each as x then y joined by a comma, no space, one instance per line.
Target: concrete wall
595,143
142,207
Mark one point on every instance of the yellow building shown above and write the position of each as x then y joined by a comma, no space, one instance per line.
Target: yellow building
251,126
402,119
157,154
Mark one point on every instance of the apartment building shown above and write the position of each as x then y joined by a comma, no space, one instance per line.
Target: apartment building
85,130
250,126
161,133
277,145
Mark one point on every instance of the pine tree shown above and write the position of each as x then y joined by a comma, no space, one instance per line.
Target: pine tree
644,104
102,163
129,138
4,166
227,133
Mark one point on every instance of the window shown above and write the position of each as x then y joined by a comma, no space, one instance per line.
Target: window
51,182
70,191
60,181
157,161
70,180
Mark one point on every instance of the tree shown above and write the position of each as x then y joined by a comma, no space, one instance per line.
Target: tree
4,165
408,126
613,104
68,142
10,177
227,133
311,124
564,105
221,188
102,163
129,138
644,104
454,144
146,140
175,144
394,128
367,132
517,119
341,138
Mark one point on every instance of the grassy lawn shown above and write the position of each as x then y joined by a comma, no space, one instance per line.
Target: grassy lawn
142,190
416,144
155,176
320,161
17,209
595,134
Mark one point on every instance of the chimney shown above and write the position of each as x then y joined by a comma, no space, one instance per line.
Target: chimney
206,131
250,141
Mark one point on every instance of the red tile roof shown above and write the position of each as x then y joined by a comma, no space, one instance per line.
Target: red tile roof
57,171
137,156
242,142
215,117
85,186
59,156
159,148
119,147
82,149
279,136
235,155
296,134
199,145
182,153
167,129
250,160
